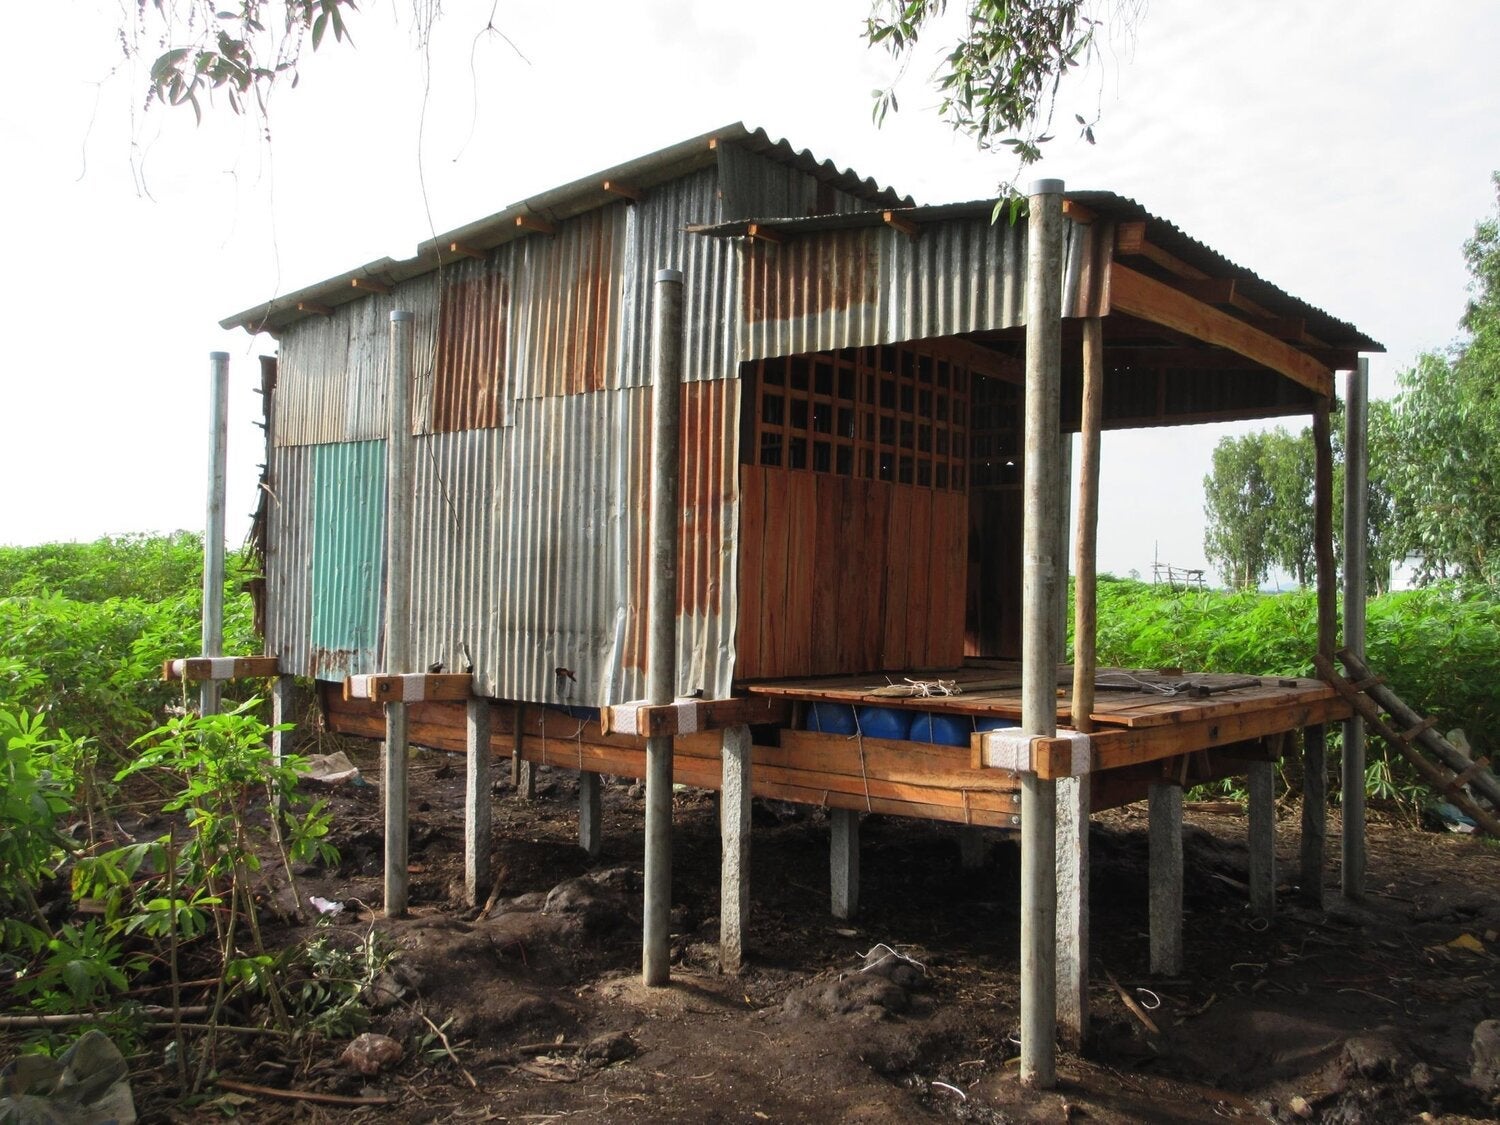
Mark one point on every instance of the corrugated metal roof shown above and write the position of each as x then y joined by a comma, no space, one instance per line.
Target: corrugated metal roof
556,205
1160,232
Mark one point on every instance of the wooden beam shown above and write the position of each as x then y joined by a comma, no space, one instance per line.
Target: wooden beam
1209,290
901,223
1080,214
536,224
1140,296
220,668
759,232
976,357
465,251
692,715
615,187
314,308
418,687
369,285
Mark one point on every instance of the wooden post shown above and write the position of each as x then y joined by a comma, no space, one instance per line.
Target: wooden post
522,772
1166,878
1314,812
1041,648
734,833
1356,530
477,801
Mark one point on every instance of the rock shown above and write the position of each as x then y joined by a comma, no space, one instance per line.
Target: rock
388,989
612,1046
1371,1055
1485,1071
371,1053
1300,1106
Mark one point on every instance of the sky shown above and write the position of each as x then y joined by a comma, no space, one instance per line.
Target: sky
1341,151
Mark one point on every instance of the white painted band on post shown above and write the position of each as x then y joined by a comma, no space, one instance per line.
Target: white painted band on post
413,687
1012,750
179,668
625,718
359,687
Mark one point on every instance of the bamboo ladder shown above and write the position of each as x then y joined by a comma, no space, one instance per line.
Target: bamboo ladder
1374,701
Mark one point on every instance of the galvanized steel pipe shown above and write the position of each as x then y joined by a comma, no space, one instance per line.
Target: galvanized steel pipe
398,504
661,653
1356,525
1040,637
213,530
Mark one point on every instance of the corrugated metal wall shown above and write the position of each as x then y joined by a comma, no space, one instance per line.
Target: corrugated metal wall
832,289
348,554
757,186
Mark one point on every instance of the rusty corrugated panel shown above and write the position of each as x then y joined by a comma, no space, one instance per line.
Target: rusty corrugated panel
289,552
471,365
348,553
571,282
853,286
656,240
332,371
757,184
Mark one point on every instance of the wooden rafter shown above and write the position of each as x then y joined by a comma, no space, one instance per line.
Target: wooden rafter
759,232
901,223
615,187
465,251
369,285
1155,301
535,224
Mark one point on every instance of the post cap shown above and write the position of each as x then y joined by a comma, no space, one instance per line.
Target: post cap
219,357
669,275
1045,187
401,314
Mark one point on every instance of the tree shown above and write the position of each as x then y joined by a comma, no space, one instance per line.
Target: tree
1446,434
1237,502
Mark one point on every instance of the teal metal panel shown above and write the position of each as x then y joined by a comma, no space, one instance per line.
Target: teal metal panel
348,558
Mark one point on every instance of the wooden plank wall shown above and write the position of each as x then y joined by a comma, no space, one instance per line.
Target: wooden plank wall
840,574
994,577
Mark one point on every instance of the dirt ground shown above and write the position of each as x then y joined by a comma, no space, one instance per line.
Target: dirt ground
1349,1015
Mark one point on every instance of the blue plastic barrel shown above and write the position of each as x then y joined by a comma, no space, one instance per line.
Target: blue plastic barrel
994,722
884,722
831,718
941,729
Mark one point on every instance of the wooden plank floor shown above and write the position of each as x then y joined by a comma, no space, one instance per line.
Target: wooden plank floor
1129,698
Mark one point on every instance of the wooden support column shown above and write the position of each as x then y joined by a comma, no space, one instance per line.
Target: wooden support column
1166,878
843,861
522,772
734,833
1263,839
1314,812
1042,570
1314,744
1356,531
477,836
590,814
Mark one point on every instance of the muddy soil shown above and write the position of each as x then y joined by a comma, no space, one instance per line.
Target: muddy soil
1347,1015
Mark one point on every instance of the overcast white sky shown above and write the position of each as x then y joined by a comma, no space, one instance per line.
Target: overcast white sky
1342,151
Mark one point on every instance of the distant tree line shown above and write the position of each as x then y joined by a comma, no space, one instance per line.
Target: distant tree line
1433,494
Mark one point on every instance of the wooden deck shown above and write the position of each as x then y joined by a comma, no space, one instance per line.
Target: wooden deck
1208,728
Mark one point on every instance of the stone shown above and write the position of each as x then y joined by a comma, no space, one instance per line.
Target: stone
1485,1070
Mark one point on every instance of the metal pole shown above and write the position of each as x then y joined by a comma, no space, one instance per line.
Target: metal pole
661,651
398,490
1356,529
213,531
1040,639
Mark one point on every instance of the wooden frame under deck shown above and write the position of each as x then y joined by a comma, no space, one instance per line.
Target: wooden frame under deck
1140,738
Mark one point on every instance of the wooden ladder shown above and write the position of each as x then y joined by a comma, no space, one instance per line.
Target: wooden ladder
1373,701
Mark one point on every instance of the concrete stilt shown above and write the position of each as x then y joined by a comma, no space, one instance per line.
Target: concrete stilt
1166,878
1073,795
283,712
590,814
734,829
843,861
973,848
1263,839
1314,813
477,802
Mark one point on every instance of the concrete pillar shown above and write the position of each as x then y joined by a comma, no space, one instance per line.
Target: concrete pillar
734,830
1263,839
1166,878
843,862
283,713
1314,813
477,836
590,814
1073,794
973,848
522,772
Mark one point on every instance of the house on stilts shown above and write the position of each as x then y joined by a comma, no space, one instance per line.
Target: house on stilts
851,415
